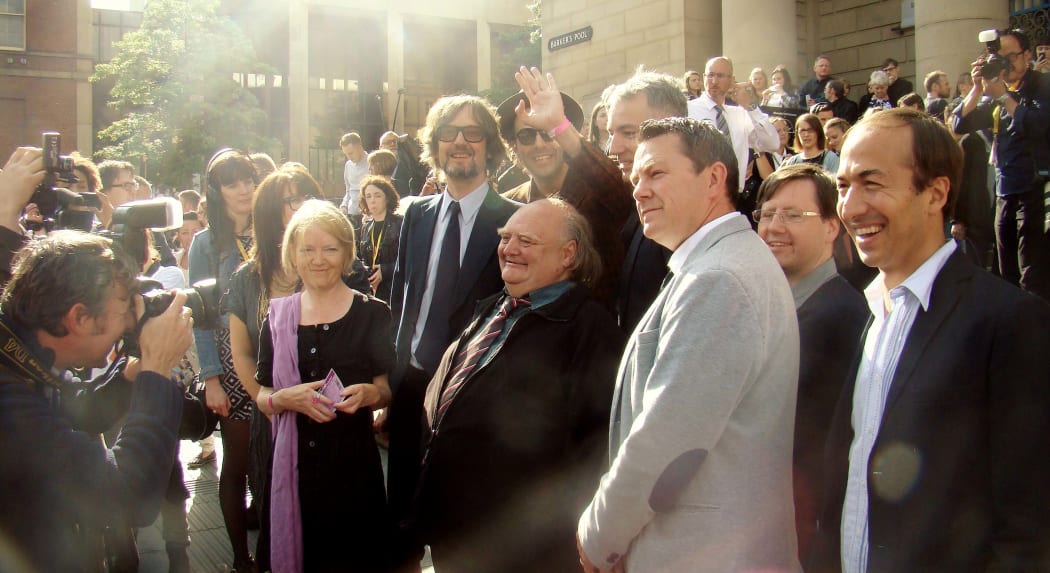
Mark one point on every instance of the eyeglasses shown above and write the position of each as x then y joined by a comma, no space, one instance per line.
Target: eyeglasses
527,136
296,201
471,133
128,186
787,216
717,76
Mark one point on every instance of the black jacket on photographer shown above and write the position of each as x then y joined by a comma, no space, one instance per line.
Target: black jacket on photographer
1022,145
58,486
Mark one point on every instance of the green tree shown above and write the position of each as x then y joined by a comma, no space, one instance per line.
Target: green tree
173,84
515,47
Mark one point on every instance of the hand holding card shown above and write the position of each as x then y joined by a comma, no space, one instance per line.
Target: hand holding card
332,388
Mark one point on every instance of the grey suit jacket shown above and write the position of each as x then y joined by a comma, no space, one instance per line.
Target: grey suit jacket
702,418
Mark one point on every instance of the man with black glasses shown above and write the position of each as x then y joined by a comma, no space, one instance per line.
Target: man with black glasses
446,263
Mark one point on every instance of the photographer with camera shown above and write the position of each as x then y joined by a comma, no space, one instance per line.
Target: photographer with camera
69,302
1017,112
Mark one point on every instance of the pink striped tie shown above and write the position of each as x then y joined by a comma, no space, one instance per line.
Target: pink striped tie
467,359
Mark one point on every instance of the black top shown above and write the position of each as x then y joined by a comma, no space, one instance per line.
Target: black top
341,492
377,247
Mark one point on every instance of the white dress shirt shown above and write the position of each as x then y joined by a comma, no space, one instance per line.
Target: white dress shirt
882,350
353,173
746,128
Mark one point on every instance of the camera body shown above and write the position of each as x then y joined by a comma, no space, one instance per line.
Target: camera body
202,299
57,168
994,64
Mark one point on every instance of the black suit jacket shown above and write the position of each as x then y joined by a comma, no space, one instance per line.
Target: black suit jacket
479,274
644,269
829,327
958,474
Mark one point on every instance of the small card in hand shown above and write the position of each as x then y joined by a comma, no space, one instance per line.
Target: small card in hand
332,388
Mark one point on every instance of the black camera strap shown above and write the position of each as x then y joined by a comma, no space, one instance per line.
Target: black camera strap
16,357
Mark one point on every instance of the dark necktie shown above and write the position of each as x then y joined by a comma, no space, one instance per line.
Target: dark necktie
435,337
722,124
467,359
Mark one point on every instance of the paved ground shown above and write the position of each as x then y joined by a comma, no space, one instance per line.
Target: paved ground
209,547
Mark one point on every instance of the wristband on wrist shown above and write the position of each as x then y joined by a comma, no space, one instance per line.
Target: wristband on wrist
269,402
560,128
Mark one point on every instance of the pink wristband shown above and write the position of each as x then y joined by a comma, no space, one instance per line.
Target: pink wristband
269,402
560,128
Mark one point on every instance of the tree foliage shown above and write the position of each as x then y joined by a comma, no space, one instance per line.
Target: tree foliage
173,86
515,47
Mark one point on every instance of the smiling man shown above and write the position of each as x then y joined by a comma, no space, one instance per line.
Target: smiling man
541,126
519,408
796,218
446,263
933,455
700,454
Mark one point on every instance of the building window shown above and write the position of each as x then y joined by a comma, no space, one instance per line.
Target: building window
12,25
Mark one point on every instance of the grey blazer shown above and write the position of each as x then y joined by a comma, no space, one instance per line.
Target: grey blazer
702,419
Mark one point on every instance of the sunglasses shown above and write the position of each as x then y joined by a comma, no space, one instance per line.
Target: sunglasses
527,136
471,133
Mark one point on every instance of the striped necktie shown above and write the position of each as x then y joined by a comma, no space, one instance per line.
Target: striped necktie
467,360
722,124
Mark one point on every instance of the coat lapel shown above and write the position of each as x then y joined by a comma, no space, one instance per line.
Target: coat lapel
480,248
420,248
943,300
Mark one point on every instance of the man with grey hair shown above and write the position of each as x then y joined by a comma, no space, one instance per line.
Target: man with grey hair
645,95
518,410
744,125
700,455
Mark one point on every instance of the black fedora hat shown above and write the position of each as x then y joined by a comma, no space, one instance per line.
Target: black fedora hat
573,112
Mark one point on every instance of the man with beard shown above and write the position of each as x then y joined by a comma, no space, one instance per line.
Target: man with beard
446,263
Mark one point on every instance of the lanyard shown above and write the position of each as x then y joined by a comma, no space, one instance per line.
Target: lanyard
240,247
376,242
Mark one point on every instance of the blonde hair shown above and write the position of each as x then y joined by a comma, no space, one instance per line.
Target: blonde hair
324,216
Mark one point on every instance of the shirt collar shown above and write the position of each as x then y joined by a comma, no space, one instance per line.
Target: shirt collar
548,294
809,284
919,283
707,102
469,205
681,254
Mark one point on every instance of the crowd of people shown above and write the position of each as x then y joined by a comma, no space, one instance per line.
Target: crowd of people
712,326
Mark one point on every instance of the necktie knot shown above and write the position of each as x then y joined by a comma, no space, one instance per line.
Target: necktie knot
510,304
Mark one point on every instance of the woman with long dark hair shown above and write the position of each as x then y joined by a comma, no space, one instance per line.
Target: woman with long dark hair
215,253
257,281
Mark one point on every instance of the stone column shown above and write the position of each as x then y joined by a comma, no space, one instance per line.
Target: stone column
484,55
298,81
946,35
758,33
395,66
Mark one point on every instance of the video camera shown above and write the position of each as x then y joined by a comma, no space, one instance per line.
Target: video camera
994,64
53,201
129,228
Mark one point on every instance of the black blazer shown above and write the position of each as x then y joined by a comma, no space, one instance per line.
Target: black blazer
959,471
386,259
644,269
479,275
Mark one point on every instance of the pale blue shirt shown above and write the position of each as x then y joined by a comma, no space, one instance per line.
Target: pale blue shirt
882,350
469,206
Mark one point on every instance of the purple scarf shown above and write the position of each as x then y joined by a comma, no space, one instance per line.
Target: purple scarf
286,549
